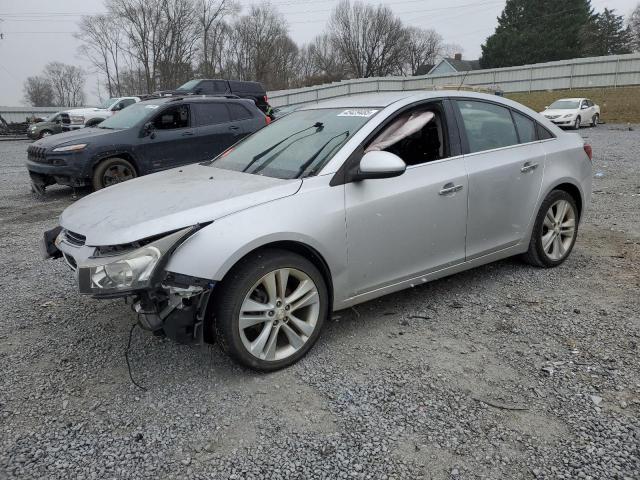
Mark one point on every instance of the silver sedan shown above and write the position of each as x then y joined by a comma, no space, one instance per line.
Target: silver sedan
332,205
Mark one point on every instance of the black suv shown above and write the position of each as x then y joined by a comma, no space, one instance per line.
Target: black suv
143,138
243,89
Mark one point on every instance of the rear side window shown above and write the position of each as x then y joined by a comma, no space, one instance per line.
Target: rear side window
543,133
211,113
526,128
238,112
487,125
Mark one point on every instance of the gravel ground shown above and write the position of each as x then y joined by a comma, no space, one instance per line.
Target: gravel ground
504,371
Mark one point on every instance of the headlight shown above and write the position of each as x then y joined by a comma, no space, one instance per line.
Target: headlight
127,272
71,148
569,115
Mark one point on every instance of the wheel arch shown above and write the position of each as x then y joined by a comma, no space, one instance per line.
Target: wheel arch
573,190
116,154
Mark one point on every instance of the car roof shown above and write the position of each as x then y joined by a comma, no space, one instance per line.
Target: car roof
573,99
384,99
194,99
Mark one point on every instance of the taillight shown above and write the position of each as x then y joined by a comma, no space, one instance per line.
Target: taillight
589,151
267,119
266,99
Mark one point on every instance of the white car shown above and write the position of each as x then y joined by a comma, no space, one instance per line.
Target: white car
88,117
573,112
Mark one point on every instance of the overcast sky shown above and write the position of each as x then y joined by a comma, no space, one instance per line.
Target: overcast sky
40,31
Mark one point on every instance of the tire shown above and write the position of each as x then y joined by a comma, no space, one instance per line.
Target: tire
119,169
93,122
45,133
556,252
245,286
595,120
576,124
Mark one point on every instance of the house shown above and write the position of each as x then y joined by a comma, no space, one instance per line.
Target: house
455,64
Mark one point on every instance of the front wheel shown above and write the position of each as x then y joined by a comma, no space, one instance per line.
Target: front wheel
112,171
595,120
269,309
555,231
576,124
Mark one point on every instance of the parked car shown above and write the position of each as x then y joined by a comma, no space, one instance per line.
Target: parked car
573,112
49,126
332,205
280,112
243,89
144,138
89,117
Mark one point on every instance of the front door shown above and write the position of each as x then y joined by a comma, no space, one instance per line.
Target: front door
170,144
403,227
505,166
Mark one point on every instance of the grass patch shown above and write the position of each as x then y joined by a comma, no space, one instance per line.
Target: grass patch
617,105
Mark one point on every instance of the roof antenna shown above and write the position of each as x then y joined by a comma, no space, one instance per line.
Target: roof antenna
463,79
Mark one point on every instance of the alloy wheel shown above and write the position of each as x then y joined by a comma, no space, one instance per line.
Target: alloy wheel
279,314
116,174
558,230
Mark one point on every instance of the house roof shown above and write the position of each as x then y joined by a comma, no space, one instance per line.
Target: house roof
461,65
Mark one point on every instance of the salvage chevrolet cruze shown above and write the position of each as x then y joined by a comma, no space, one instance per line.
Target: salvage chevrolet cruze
330,206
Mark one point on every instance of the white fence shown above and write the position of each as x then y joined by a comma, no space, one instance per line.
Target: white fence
610,71
20,114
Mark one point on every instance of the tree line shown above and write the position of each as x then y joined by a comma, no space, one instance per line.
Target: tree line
146,45
140,46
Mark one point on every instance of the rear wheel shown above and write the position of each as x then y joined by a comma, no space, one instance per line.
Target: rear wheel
112,171
555,231
270,309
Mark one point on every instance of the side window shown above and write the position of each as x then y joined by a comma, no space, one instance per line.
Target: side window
417,136
219,86
173,117
211,113
585,103
526,128
127,101
543,133
238,112
487,125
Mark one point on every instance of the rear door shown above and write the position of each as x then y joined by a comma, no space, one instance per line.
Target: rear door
215,129
505,163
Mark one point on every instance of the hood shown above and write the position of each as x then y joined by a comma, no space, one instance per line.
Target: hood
74,136
564,111
166,201
84,111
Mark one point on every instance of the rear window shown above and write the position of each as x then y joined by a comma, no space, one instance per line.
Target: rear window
211,113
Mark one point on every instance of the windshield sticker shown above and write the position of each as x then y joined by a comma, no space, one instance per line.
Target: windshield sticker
357,112
151,106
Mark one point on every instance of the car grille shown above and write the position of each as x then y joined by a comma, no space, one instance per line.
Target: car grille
36,154
74,238
552,117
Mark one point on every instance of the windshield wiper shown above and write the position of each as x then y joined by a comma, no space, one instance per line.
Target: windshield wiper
306,164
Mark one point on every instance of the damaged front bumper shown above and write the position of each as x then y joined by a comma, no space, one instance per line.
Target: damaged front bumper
166,301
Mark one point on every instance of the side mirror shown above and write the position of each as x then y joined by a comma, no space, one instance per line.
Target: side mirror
584,107
149,130
198,91
546,107
379,164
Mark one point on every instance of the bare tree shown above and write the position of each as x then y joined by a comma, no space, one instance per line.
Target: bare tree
634,28
423,47
67,82
213,30
372,40
38,92
103,46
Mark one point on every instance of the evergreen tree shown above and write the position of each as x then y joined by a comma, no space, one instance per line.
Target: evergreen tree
608,35
533,31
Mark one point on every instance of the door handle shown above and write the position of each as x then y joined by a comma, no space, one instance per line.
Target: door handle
450,188
187,134
528,166
234,127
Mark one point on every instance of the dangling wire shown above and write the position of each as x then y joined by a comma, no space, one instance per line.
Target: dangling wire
126,357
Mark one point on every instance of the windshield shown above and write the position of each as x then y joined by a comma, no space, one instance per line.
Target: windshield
298,145
107,103
189,85
130,116
564,105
